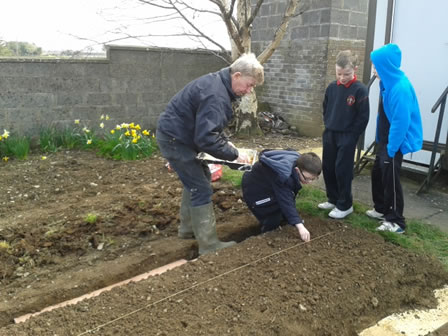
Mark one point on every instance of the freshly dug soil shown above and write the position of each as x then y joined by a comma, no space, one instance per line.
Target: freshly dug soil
342,281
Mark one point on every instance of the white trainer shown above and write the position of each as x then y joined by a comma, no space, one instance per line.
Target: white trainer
339,214
374,214
326,206
391,227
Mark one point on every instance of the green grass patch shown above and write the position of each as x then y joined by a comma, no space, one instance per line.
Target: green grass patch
15,146
232,176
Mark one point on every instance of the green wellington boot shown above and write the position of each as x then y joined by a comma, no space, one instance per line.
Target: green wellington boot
185,230
204,228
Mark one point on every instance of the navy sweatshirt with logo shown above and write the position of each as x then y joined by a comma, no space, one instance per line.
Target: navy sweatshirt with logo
346,107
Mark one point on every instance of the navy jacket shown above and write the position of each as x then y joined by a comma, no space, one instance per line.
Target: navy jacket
197,115
272,185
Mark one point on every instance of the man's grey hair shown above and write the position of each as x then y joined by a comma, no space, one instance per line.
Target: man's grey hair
249,66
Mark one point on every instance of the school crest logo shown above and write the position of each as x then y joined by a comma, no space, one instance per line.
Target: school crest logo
350,100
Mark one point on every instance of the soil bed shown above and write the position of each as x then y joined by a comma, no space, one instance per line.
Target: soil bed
341,282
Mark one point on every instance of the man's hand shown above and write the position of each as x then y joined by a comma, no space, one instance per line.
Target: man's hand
242,158
304,233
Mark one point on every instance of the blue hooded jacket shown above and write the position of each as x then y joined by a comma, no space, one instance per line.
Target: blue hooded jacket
399,102
272,185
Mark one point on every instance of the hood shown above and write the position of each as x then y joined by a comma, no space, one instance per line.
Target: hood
387,61
281,162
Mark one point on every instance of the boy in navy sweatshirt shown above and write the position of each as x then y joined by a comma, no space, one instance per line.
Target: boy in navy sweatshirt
271,187
346,114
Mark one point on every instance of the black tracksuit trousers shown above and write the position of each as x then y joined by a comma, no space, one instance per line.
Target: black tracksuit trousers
337,166
387,193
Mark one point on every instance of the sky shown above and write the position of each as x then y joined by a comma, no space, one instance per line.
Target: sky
87,24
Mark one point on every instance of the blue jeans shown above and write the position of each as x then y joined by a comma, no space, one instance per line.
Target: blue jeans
193,173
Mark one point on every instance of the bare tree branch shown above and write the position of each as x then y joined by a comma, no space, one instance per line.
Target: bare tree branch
231,28
196,28
254,13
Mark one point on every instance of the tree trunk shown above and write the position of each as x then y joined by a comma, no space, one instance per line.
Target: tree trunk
245,114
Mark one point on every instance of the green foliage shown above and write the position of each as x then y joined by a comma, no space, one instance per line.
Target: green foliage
53,139
232,176
15,146
14,49
91,218
419,237
127,142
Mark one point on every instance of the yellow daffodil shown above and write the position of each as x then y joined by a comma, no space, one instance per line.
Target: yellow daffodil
134,140
102,117
89,142
76,121
85,130
137,127
112,131
0,138
134,133
107,117
124,125
127,133
102,125
145,132
5,158
44,158
131,125
118,127
153,136
5,134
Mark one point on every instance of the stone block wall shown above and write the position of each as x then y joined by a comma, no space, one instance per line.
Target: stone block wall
304,64
131,84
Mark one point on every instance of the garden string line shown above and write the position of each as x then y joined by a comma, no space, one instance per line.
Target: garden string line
202,283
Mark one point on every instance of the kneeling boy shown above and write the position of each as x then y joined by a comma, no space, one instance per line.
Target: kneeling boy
271,187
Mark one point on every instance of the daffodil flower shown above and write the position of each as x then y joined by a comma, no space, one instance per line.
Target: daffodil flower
102,117
145,132
124,125
5,158
127,133
112,131
134,133
0,138
89,141
44,158
131,125
118,127
134,140
137,127
102,125
107,117
85,130
76,121
5,134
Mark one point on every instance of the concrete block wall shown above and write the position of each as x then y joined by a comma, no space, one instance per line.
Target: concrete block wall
130,85
304,64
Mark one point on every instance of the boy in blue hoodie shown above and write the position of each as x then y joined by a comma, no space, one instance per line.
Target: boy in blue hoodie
398,132
271,187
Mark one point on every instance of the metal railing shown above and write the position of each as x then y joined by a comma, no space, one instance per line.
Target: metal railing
433,165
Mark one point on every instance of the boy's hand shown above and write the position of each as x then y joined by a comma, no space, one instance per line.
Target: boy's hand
304,233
